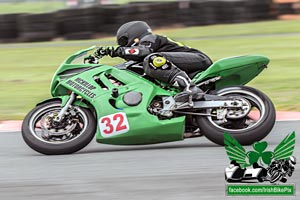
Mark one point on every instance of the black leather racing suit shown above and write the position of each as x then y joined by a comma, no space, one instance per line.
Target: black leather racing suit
184,58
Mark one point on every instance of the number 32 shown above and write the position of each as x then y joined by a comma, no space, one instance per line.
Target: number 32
114,124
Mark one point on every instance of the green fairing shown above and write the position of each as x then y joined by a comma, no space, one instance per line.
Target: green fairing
139,118
64,100
145,128
234,71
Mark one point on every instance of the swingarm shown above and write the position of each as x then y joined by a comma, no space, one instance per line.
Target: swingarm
224,106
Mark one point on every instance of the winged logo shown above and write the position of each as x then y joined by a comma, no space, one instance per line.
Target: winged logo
236,151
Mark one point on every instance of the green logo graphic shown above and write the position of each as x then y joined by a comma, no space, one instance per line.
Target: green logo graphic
260,190
236,151
260,164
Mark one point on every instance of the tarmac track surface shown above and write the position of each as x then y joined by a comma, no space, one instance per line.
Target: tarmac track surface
190,169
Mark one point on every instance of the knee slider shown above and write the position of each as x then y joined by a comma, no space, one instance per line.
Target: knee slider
157,61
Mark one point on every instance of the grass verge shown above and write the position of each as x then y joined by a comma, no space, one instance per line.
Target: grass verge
27,69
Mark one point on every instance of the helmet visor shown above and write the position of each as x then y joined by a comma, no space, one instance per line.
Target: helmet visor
123,41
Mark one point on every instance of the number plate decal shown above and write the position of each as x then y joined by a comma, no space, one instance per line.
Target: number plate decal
114,124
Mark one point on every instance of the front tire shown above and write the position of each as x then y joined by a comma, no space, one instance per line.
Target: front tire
246,130
40,132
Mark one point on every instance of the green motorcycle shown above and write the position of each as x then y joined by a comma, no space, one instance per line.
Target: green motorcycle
123,106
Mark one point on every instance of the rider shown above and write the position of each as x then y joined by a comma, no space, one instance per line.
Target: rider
163,58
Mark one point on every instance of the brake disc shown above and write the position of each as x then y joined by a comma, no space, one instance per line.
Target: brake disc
53,129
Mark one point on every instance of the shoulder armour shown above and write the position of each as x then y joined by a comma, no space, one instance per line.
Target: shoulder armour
148,38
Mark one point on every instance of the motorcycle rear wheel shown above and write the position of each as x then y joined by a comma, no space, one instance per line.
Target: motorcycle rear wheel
44,135
246,130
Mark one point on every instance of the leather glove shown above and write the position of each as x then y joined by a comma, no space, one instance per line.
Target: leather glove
100,52
113,52
90,59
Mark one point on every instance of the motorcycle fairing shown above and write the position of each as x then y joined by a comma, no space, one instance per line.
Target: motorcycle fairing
234,70
145,128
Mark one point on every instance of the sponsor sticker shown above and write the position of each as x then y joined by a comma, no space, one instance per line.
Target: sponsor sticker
133,51
114,124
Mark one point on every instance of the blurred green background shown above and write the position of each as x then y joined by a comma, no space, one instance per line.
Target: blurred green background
40,6
27,68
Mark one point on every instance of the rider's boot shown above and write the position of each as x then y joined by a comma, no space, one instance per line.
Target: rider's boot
189,89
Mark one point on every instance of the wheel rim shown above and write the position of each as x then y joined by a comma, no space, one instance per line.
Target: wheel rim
255,115
59,134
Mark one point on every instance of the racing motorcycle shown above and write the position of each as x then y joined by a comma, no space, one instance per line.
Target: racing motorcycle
279,170
121,105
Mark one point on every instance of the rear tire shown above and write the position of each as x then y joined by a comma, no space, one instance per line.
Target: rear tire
81,130
245,135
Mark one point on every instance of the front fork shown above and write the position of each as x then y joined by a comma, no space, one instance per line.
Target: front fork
63,111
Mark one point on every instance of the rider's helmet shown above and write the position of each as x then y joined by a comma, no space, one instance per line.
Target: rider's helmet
131,32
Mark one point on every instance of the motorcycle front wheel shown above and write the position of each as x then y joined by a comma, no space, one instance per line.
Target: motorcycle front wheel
43,134
248,124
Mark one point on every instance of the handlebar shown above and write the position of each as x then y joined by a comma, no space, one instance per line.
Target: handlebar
98,54
91,60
